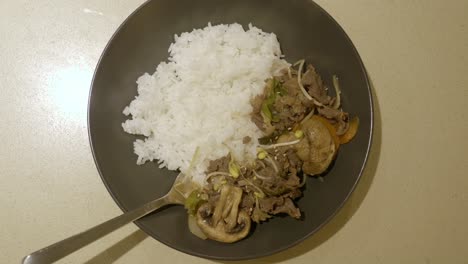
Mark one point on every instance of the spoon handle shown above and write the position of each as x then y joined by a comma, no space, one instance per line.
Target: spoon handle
69,245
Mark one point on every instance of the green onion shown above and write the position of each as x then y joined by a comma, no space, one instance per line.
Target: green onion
266,110
193,202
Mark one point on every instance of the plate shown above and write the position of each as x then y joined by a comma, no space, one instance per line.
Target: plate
305,31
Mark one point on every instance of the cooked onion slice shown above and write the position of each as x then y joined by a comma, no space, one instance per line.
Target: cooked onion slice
194,228
352,130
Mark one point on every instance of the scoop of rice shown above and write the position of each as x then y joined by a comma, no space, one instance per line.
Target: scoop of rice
199,100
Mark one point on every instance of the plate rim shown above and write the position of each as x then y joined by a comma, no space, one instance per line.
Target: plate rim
269,252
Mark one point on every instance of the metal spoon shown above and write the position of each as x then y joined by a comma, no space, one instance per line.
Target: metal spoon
67,246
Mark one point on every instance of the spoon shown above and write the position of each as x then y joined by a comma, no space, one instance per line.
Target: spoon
69,245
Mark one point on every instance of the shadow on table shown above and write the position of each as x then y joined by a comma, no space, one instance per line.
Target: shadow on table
114,252
348,210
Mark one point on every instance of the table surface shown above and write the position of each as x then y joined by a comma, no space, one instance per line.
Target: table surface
410,207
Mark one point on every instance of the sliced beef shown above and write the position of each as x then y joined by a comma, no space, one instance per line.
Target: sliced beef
279,185
288,108
221,164
288,207
257,119
330,113
294,194
292,181
278,205
293,160
213,197
314,85
248,201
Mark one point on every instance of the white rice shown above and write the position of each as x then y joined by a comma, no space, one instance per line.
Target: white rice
200,98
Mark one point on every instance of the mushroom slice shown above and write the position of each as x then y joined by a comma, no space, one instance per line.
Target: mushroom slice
220,204
318,148
224,222
235,199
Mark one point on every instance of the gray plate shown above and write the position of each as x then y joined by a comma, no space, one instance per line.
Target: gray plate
305,31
